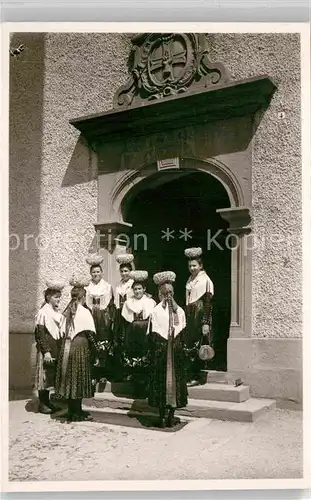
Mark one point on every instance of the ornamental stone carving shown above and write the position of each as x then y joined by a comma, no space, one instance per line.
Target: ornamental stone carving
167,64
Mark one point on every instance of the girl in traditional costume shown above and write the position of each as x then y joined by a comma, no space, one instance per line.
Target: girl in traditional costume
47,336
199,295
123,292
73,380
99,299
167,371
136,312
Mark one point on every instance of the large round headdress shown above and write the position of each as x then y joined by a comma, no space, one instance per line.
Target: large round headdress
139,276
79,280
164,277
125,258
55,284
94,259
193,253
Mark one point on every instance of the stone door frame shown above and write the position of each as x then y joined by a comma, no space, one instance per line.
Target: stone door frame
237,216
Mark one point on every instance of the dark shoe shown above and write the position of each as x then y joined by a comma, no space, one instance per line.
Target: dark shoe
44,402
203,378
162,418
87,418
45,410
73,417
176,421
84,414
161,423
170,418
78,417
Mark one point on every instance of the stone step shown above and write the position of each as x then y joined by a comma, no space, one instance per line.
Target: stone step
136,419
215,376
208,391
220,392
247,411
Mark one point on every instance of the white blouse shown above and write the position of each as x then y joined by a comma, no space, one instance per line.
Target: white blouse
132,306
82,321
101,291
198,286
48,317
124,288
159,320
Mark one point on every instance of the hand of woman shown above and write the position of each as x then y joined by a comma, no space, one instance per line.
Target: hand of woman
48,358
205,329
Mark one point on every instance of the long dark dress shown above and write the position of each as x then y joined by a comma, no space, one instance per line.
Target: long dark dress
158,372
198,313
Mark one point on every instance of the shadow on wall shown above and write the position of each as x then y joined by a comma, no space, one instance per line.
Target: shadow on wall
82,166
25,144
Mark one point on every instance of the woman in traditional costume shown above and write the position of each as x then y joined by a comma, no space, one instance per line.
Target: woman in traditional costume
199,295
73,380
136,312
47,336
167,371
99,299
123,292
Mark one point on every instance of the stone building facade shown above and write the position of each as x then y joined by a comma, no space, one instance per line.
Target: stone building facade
230,123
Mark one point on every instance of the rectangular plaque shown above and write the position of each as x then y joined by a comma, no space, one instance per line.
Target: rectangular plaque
168,164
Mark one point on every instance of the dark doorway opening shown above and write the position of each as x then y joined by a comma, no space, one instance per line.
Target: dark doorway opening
180,202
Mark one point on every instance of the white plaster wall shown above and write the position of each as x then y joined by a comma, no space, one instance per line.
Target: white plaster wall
25,156
82,72
276,178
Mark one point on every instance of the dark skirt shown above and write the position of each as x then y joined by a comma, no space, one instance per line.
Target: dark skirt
45,372
73,378
135,352
103,320
158,370
194,320
193,338
118,345
135,343
119,325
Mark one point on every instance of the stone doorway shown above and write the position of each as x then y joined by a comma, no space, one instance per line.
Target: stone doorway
186,204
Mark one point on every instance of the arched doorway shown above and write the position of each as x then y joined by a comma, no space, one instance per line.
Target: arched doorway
170,211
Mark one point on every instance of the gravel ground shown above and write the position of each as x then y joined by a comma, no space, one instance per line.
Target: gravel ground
42,449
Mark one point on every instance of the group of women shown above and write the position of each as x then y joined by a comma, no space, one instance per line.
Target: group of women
124,334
